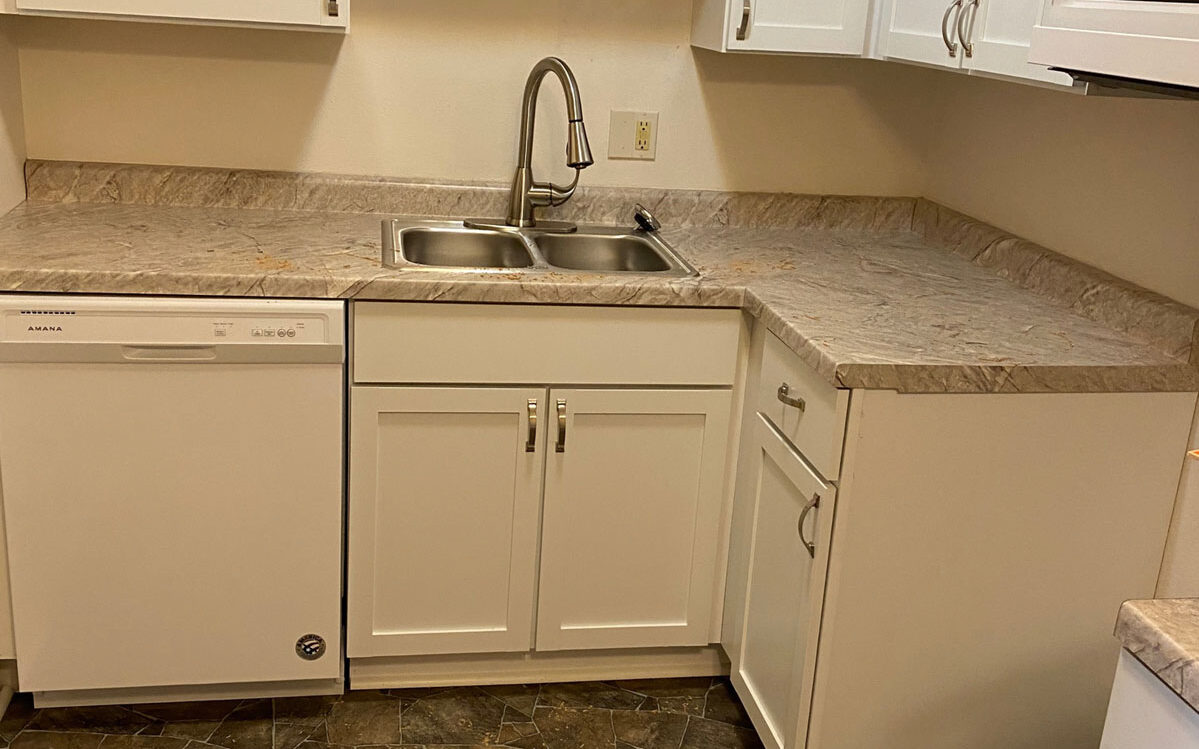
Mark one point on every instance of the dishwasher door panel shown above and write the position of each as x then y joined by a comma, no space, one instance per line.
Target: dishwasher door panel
172,524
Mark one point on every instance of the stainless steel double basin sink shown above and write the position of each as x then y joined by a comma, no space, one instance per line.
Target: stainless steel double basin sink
452,245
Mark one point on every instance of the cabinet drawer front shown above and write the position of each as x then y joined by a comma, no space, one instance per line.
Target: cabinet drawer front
520,344
818,429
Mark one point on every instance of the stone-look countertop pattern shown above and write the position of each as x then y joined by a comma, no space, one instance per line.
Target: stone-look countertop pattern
892,293
1163,634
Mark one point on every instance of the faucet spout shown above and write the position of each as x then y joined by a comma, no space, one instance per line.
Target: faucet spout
527,193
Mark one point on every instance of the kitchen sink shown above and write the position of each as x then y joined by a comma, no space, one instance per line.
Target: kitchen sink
598,252
453,245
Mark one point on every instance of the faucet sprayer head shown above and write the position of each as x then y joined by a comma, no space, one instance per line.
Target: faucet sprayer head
578,150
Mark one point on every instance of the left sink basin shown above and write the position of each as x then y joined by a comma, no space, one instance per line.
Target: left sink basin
457,247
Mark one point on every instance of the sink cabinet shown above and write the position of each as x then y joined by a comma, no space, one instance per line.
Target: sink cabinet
537,479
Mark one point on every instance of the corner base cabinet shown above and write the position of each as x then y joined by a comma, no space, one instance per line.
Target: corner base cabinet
964,566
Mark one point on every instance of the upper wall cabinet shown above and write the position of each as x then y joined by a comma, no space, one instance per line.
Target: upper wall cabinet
983,37
989,37
826,27
330,15
1132,39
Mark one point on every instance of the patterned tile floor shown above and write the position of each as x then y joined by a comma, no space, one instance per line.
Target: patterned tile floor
698,713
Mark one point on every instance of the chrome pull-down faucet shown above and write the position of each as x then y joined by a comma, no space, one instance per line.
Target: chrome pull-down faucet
528,193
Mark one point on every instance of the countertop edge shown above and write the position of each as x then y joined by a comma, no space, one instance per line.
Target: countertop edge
903,378
1148,630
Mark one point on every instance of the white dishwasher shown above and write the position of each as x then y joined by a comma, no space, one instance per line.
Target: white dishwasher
172,491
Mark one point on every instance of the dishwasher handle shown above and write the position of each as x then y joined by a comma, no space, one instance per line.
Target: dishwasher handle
169,353
137,354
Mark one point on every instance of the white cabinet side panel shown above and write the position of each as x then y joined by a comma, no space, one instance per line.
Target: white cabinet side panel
982,547
1145,714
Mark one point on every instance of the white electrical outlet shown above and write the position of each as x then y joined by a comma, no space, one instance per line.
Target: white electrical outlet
633,135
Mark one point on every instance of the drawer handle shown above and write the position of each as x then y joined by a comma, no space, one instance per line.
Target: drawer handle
811,505
531,443
790,400
561,446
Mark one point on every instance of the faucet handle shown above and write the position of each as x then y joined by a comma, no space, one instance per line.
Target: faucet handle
645,219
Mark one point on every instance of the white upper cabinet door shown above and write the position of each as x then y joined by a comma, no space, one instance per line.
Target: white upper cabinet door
996,38
318,13
1152,41
922,31
444,498
634,487
792,526
831,27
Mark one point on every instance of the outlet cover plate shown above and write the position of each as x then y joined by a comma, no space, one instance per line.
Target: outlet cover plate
628,137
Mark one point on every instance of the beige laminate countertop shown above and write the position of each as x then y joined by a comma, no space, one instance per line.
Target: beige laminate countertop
878,293
1163,634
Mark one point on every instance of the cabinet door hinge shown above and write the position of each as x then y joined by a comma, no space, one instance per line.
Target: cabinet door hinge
332,9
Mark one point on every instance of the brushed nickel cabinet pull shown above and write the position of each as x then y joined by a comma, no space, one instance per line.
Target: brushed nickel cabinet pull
561,446
531,443
965,33
950,45
791,400
743,29
811,505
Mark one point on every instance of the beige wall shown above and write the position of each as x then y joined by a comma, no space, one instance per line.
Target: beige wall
433,90
12,134
1113,182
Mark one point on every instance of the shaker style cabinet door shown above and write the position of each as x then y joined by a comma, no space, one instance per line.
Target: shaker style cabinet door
922,31
997,37
444,499
634,486
833,27
792,527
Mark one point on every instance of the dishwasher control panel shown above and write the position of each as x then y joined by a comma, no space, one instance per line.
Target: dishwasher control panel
63,319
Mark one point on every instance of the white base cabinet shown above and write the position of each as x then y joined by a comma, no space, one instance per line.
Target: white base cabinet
977,552
1146,714
509,518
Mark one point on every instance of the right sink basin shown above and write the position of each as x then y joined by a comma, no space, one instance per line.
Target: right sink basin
599,252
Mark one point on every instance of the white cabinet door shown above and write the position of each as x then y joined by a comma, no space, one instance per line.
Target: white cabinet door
999,33
275,12
775,668
921,31
443,510
836,27
633,490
